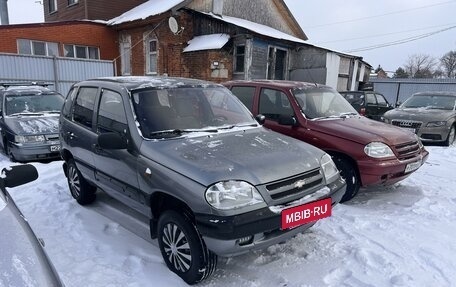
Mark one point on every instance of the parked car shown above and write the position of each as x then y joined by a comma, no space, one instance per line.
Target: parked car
368,103
366,152
29,114
431,115
24,261
188,155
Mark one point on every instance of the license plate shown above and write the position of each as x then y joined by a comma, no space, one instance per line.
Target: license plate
412,166
299,215
55,147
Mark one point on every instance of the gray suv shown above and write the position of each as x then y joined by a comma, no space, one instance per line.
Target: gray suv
188,155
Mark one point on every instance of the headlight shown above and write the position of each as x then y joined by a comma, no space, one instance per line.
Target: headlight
387,121
436,124
330,170
378,150
29,139
420,144
232,194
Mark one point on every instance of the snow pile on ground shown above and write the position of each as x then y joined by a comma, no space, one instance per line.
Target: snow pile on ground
403,235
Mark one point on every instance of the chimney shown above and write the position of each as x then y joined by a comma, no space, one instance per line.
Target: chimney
4,12
217,7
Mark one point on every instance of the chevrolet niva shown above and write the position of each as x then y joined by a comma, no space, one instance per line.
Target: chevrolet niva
366,152
188,155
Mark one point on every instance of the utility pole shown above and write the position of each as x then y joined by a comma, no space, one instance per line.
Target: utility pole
4,12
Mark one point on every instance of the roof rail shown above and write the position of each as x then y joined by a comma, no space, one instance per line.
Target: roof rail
33,83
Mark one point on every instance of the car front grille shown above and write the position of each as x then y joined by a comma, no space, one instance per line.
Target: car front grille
407,150
407,124
52,137
300,184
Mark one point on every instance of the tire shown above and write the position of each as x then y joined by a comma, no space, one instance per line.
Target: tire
80,189
451,136
349,173
183,249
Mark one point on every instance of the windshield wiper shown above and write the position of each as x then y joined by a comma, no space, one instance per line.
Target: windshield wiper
25,114
51,112
346,115
179,132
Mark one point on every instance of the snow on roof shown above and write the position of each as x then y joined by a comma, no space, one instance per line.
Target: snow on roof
207,42
257,28
147,9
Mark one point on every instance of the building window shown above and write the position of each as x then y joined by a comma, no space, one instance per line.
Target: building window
81,52
52,6
239,58
152,57
125,57
72,2
38,48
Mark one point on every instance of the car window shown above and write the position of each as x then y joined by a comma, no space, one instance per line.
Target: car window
111,113
370,99
187,108
381,100
274,103
66,110
84,105
245,94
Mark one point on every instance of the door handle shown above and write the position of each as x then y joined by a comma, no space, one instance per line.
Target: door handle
71,135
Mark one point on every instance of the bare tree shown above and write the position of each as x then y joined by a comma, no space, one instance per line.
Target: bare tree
448,62
420,66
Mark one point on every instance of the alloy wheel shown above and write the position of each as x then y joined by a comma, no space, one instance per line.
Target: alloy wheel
73,179
176,247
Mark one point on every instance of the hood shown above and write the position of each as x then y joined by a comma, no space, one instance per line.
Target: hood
256,155
33,125
363,130
419,114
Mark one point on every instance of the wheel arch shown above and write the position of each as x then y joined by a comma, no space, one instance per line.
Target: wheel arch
348,158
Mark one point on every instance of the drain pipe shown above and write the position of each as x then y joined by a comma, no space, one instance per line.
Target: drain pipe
4,12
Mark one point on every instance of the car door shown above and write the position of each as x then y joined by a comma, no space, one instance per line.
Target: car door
77,128
383,106
115,170
371,106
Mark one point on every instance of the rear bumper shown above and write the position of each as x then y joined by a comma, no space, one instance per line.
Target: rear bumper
376,172
259,228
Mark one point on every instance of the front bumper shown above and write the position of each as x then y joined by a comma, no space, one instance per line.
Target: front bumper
32,152
433,134
387,172
224,234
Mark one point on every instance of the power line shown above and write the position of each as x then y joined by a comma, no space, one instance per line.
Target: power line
385,34
397,42
380,15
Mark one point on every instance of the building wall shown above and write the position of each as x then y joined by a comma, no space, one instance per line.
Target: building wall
308,64
259,11
89,9
82,33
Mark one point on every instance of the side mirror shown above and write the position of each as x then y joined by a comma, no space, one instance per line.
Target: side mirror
111,141
19,175
260,119
398,104
287,120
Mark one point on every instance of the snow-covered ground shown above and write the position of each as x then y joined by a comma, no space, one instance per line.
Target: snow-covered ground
403,235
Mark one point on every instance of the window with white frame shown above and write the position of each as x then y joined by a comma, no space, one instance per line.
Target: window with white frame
81,52
52,6
38,48
125,57
72,2
239,58
152,56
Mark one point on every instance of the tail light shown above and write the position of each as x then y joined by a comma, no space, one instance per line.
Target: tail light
362,111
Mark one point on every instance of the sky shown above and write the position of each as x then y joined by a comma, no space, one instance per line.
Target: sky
402,235
349,26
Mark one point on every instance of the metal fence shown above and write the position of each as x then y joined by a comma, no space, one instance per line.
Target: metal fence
398,90
58,71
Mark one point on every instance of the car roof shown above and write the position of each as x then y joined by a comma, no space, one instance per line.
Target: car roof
277,83
447,93
160,82
25,88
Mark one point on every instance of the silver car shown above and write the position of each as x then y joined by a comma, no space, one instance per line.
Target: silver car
431,115
23,260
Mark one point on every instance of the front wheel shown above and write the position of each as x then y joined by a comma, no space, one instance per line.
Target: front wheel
349,173
451,136
80,189
183,249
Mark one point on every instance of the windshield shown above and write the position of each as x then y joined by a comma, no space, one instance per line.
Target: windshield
32,104
431,102
188,109
322,103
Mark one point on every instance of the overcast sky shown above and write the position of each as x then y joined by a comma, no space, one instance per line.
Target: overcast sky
359,24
